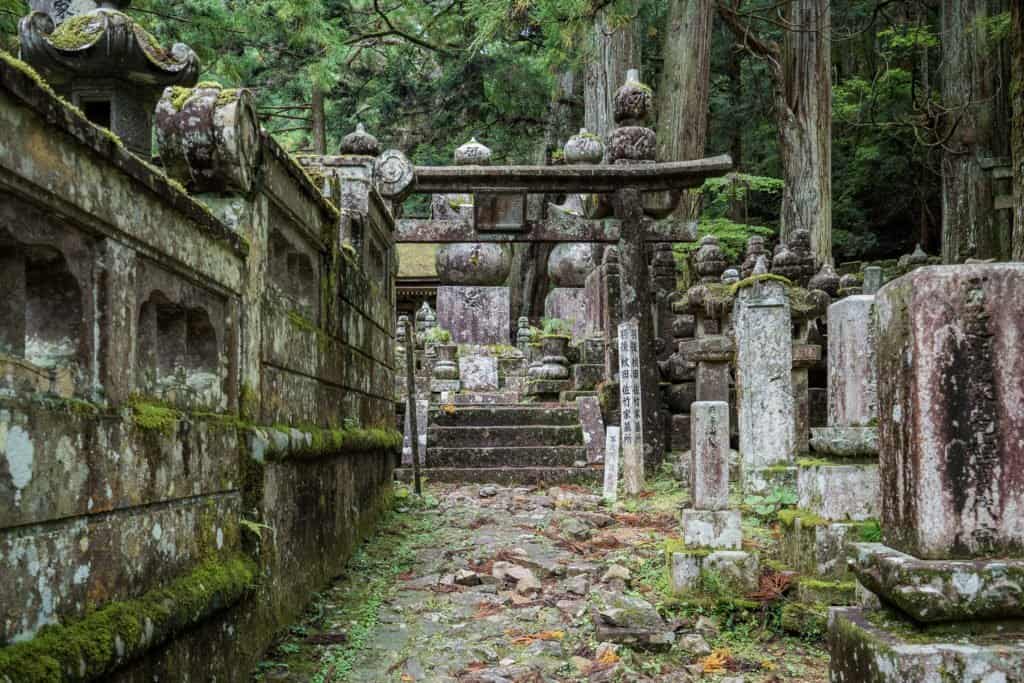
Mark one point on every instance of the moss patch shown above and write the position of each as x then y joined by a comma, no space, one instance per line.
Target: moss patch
155,416
326,442
78,32
95,645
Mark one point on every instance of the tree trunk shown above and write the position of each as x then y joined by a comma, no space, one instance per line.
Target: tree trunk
734,69
318,122
615,49
968,88
684,90
805,125
1017,128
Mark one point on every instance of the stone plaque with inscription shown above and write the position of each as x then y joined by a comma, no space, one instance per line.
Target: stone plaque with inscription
475,315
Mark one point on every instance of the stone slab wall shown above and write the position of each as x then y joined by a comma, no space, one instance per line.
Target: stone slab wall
150,336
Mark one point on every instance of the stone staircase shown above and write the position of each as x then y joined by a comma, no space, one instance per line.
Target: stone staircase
507,444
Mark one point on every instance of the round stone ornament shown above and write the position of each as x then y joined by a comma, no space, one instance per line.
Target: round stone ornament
393,173
584,148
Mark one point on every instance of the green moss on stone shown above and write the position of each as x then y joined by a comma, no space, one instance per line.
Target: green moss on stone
77,32
154,416
94,646
735,287
227,96
179,96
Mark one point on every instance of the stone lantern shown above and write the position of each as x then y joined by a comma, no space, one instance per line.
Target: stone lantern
105,63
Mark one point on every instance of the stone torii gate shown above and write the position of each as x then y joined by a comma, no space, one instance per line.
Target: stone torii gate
637,186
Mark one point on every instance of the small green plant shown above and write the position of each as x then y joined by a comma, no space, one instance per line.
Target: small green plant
556,327
871,532
767,505
437,335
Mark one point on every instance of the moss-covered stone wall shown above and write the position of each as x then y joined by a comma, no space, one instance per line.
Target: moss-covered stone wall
220,434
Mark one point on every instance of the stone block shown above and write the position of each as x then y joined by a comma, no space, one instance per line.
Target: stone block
826,592
478,372
678,434
739,570
593,427
852,376
845,442
839,491
568,304
679,396
735,570
880,647
817,406
712,529
474,315
816,547
440,386
941,590
592,351
767,479
709,473
586,377
951,411
546,387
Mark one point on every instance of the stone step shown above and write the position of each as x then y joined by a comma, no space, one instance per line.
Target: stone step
533,435
528,476
503,416
501,456
506,397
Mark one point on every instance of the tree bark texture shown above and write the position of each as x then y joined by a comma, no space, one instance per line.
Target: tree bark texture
318,121
802,76
1017,129
969,89
684,90
805,124
615,49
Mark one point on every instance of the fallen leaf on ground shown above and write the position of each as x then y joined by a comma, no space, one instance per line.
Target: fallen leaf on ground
716,662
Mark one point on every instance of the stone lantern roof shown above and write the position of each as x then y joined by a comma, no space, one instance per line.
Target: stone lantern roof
108,65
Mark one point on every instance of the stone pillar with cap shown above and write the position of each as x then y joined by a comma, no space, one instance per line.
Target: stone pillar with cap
950,566
473,302
712,533
763,383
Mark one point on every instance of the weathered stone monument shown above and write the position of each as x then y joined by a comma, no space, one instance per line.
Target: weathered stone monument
712,532
764,384
472,301
951,453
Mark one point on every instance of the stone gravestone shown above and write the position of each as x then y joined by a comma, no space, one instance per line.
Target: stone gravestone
951,447
764,386
478,372
611,464
474,315
630,407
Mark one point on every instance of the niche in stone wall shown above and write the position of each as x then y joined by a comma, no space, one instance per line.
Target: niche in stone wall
292,271
177,358
40,317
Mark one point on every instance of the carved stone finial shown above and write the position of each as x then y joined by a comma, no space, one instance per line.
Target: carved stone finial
849,285
473,154
761,267
400,331
583,148
826,279
632,142
633,101
755,248
360,142
795,260
918,258
730,276
710,261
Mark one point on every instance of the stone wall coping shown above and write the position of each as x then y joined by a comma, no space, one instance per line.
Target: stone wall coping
297,172
25,85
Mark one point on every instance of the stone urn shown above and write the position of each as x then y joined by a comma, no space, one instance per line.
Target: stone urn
445,366
485,264
583,148
570,262
553,363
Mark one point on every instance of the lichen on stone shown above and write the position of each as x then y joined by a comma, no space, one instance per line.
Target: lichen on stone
77,32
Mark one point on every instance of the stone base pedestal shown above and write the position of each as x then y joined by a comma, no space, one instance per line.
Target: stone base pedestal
568,304
767,479
736,569
478,371
845,442
839,491
438,386
678,429
475,315
546,389
882,647
587,377
812,546
719,529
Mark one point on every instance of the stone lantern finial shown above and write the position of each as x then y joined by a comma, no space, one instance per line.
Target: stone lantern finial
473,154
360,142
710,261
632,142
